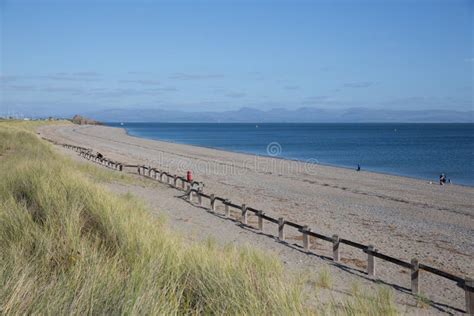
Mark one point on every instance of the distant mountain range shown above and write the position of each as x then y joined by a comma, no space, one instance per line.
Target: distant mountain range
301,115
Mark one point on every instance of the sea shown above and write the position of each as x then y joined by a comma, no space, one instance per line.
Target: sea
422,151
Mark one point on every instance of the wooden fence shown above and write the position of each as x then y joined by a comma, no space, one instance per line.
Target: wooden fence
194,189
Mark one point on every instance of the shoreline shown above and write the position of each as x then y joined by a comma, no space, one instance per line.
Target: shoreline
386,173
403,217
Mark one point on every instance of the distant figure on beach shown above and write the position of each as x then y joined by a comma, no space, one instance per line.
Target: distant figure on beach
100,156
442,179
358,167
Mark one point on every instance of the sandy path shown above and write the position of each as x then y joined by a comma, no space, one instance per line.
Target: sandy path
403,217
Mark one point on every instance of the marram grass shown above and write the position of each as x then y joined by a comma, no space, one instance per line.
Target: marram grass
68,246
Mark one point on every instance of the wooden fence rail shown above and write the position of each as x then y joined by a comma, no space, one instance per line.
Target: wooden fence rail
194,189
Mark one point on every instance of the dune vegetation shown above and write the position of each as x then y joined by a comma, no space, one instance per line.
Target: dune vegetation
69,246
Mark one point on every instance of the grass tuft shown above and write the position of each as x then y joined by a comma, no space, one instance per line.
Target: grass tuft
324,278
379,302
422,301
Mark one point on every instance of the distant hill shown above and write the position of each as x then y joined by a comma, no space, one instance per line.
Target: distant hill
301,115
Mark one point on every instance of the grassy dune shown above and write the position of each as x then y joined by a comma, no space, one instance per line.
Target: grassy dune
68,246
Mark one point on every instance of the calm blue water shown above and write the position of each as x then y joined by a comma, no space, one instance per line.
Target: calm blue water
414,150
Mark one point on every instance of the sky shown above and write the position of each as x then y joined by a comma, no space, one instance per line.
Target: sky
64,57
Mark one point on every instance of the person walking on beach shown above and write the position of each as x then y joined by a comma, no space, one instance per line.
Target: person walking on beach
358,167
442,179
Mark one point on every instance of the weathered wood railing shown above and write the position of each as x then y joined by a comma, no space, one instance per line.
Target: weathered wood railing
194,189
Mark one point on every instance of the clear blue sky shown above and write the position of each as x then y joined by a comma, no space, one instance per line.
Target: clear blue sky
63,56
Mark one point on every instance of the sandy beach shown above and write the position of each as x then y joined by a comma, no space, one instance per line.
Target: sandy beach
403,217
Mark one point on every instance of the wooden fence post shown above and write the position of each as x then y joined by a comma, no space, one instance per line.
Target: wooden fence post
335,248
227,210
199,197
213,202
175,179
190,195
260,220
305,231
415,272
469,288
244,214
370,261
281,225
161,176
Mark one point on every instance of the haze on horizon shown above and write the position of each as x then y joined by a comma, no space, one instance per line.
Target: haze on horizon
61,58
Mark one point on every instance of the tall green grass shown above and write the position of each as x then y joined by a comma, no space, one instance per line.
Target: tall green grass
69,246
